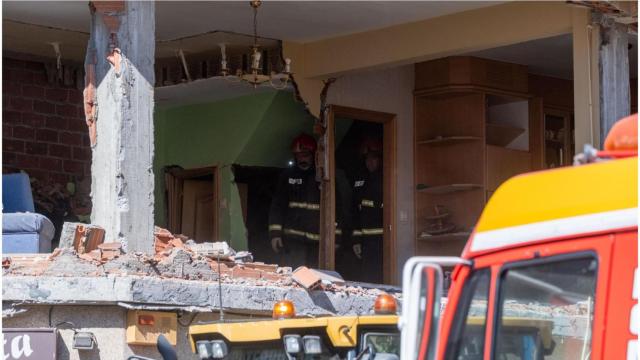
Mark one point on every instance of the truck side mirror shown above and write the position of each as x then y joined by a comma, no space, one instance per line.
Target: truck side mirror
422,282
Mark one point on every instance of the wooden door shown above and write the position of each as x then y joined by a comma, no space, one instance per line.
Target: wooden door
198,210
328,198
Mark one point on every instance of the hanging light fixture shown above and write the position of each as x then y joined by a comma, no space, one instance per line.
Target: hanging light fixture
255,76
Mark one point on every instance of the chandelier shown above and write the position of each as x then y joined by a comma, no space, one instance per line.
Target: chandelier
255,76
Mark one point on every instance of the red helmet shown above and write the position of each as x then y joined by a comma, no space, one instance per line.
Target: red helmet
370,145
303,142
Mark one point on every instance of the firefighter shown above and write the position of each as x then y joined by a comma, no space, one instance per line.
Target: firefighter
367,236
294,215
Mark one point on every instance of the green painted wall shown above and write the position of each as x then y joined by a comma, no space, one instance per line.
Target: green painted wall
253,130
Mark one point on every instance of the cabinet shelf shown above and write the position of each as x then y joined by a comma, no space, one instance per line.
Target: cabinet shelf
455,236
442,140
448,189
502,135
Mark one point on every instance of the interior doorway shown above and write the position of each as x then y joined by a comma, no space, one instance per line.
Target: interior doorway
348,129
192,202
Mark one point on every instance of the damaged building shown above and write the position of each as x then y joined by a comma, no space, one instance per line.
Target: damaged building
146,143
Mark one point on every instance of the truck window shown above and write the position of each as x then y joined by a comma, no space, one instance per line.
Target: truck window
545,310
466,341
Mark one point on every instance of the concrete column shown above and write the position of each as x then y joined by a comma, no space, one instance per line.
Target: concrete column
119,110
585,39
614,74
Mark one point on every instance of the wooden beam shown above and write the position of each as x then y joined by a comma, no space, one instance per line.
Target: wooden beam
434,38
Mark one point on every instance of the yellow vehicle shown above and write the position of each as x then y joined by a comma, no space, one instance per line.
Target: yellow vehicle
527,338
287,337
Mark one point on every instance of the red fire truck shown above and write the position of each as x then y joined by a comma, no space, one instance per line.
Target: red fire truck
550,271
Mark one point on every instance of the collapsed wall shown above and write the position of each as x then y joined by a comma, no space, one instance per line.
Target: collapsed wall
182,275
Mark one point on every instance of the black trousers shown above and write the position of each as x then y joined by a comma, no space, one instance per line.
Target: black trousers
299,253
372,259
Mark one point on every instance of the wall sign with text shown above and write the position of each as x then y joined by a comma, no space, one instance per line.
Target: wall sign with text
28,344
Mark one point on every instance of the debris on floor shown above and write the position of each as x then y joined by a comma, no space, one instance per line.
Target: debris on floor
177,257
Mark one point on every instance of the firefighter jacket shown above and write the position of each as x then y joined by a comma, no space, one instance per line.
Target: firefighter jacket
367,191
295,208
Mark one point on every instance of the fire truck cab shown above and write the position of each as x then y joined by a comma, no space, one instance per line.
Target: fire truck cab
550,271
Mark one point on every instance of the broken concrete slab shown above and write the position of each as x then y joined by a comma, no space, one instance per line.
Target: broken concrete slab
238,298
329,277
67,262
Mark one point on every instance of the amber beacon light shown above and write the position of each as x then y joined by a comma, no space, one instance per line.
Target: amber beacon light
283,310
385,304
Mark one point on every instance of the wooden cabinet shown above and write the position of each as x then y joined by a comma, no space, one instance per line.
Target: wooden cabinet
472,132
558,138
555,127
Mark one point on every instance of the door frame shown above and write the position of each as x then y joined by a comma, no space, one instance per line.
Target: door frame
179,175
328,200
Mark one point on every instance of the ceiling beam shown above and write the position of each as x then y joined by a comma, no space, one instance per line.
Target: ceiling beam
448,35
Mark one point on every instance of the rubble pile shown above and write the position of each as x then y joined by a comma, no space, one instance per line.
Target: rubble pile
175,257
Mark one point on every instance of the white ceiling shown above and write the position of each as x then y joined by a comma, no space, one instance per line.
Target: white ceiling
551,56
300,21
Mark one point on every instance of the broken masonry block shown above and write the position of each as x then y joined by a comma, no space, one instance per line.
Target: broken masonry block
212,249
307,278
81,237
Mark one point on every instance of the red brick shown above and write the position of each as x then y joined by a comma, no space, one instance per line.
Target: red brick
36,148
68,138
34,120
21,104
271,277
7,130
306,277
8,63
57,95
67,110
272,268
8,158
39,174
43,107
81,153
13,117
239,272
19,75
56,122
224,269
26,161
23,132
32,91
75,167
59,178
34,66
11,88
40,77
50,164
75,96
77,124
12,145
46,135
62,151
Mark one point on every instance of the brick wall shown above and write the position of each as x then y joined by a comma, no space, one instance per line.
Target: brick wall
43,127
